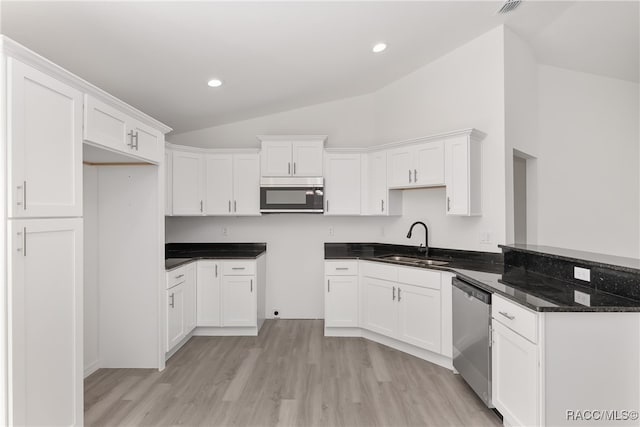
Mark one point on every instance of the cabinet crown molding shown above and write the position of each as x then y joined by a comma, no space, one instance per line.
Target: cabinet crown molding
14,49
263,138
199,150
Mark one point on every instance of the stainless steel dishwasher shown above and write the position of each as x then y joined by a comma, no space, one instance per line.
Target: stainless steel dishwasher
472,337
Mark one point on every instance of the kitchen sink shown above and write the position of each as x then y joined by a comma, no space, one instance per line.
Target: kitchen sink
413,260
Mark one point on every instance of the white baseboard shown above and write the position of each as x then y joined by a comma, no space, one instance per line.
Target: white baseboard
213,331
91,368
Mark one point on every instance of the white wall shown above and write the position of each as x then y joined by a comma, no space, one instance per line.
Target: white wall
460,90
521,126
588,178
348,122
90,286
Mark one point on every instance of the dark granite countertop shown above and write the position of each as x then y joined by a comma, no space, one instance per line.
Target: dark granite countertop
178,254
485,270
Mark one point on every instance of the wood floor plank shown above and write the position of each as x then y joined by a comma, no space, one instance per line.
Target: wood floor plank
290,375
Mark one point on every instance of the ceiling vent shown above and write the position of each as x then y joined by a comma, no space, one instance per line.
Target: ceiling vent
509,5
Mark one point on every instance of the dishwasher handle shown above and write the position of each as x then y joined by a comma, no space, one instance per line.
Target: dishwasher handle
471,291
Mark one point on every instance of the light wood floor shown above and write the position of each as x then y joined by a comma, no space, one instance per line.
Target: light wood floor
290,375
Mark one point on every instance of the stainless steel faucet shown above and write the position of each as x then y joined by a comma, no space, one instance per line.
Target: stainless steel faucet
421,249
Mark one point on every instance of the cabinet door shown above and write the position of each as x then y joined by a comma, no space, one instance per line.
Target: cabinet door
429,168
307,158
187,184
148,142
219,184
419,316
175,316
400,168
341,301
208,293
514,376
276,159
379,307
190,298
45,145
378,192
105,125
45,322
168,183
239,301
457,176
342,184
246,184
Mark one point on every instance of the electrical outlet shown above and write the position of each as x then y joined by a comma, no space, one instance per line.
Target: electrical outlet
276,313
486,237
582,298
331,231
225,231
582,274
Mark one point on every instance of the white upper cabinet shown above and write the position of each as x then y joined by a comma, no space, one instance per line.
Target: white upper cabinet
463,179
44,145
113,129
342,184
246,184
289,155
188,185
219,184
215,183
419,165
378,200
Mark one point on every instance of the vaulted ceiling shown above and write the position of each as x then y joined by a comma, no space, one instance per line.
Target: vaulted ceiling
273,56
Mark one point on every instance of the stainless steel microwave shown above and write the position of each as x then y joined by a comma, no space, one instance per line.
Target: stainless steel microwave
292,195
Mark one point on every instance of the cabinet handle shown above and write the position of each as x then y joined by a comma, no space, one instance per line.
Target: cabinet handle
179,276
130,144
201,209
399,290
327,205
251,284
171,304
294,168
229,205
136,137
342,268
448,203
409,175
23,234
23,203
216,270
415,175
394,294
289,168
328,285
235,206
507,315
381,205
237,268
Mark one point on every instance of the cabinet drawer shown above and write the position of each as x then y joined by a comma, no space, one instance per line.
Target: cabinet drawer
515,317
176,276
419,277
341,268
379,270
239,268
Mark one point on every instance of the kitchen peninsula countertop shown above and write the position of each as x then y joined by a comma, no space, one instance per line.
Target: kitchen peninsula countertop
487,271
178,254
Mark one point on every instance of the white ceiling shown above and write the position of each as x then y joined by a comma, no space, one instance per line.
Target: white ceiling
158,56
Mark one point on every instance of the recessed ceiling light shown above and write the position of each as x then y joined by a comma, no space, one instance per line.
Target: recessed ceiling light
214,83
379,47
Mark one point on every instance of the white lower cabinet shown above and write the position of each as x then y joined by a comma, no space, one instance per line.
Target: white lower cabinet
239,301
515,376
45,337
341,294
208,293
397,302
181,304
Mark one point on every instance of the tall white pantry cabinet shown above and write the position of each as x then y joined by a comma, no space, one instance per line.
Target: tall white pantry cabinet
42,115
